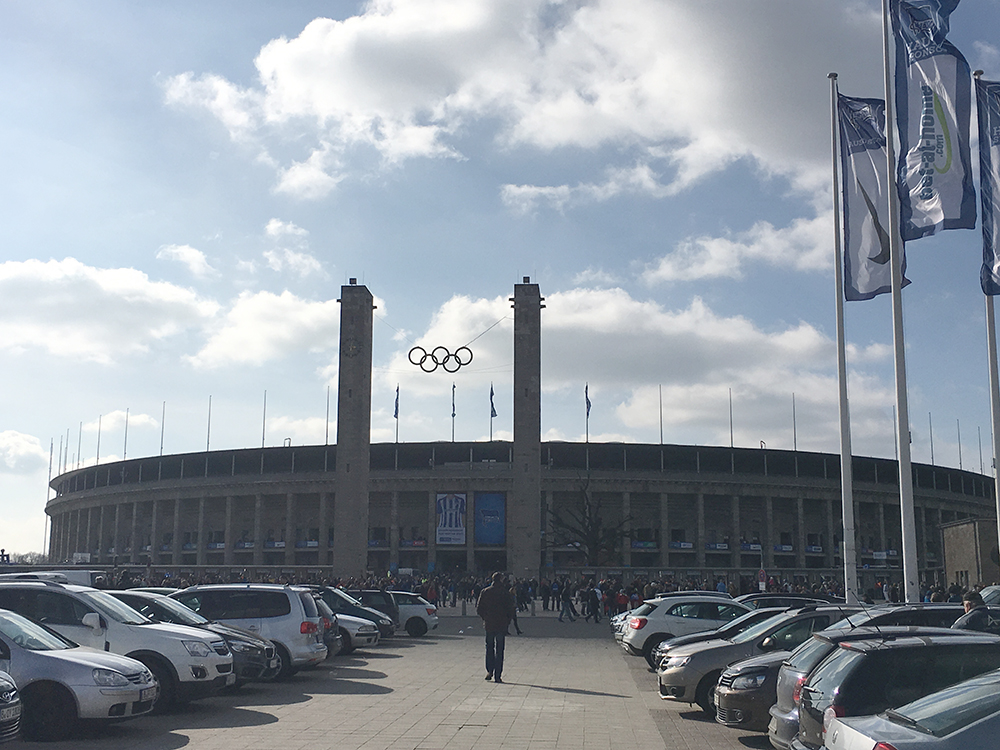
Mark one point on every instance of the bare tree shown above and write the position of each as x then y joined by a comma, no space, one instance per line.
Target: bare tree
582,524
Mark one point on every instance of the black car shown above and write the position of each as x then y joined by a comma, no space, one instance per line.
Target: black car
868,676
331,628
342,603
253,657
380,600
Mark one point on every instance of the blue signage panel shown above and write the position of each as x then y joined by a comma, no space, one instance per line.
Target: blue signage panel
491,518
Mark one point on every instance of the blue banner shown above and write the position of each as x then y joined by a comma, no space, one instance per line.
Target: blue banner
988,100
933,113
491,518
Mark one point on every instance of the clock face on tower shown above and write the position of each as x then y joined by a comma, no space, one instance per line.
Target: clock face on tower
352,347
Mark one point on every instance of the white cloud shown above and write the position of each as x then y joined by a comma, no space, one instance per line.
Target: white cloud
100,314
263,326
301,264
595,277
194,259
308,431
21,453
115,420
406,79
276,228
803,245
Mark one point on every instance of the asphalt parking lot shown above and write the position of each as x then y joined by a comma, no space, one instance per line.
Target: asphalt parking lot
566,686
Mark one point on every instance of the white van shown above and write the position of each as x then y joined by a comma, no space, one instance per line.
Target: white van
187,662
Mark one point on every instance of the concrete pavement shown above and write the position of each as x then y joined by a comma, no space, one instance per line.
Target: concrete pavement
567,686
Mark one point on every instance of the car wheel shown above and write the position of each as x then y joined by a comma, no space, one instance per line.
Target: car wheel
651,644
49,712
705,695
285,668
416,627
348,647
168,683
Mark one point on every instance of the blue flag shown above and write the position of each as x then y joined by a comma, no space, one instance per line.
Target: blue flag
867,271
493,409
933,111
395,412
988,100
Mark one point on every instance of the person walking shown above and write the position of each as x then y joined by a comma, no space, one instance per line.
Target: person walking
496,609
566,599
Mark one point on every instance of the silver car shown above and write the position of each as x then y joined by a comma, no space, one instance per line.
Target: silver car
61,683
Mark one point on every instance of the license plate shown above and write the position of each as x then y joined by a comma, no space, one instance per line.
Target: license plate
147,694
11,712
230,679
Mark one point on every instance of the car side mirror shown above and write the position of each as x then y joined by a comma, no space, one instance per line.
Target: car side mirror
768,644
92,620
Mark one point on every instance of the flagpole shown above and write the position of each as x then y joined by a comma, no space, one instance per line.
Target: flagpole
911,581
850,557
661,413
326,433
453,412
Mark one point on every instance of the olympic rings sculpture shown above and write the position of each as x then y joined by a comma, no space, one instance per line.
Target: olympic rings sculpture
440,356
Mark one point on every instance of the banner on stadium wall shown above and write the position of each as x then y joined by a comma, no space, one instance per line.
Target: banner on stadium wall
450,518
491,518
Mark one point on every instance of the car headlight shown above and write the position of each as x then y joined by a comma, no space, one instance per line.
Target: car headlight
367,629
109,678
241,647
197,648
749,681
675,662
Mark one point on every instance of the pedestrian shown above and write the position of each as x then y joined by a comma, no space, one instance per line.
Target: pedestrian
514,596
566,600
496,608
977,614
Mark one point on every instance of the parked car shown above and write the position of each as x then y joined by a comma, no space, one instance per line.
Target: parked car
868,676
285,615
920,614
416,614
188,663
965,716
659,620
747,690
10,708
254,658
728,630
383,601
357,632
331,628
62,683
690,673
767,599
795,670
344,604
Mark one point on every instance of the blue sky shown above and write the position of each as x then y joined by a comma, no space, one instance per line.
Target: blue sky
186,187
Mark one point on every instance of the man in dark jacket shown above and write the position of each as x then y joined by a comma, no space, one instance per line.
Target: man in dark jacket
977,615
496,608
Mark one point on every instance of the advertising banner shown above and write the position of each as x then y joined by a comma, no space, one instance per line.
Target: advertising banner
451,518
491,518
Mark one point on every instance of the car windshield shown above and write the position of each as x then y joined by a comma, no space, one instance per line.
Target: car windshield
758,630
347,597
113,608
31,636
642,609
953,708
166,609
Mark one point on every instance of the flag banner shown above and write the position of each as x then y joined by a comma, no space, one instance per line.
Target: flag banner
988,100
491,518
493,409
933,112
453,400
451,518
395,411
867,271
586,396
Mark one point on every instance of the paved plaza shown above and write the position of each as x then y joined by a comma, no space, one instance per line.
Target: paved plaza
567,686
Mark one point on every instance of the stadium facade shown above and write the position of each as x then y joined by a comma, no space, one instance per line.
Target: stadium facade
356,507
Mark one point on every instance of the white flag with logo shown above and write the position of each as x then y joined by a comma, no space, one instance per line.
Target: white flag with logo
933,113
988,100
867,270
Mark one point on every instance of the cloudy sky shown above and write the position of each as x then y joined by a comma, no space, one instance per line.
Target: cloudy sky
186,186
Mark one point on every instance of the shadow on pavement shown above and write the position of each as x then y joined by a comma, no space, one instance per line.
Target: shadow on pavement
574,691
756,741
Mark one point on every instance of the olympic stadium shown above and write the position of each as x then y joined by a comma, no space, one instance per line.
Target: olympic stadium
356,508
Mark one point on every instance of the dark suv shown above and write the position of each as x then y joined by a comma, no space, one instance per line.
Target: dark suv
863,677
380,600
